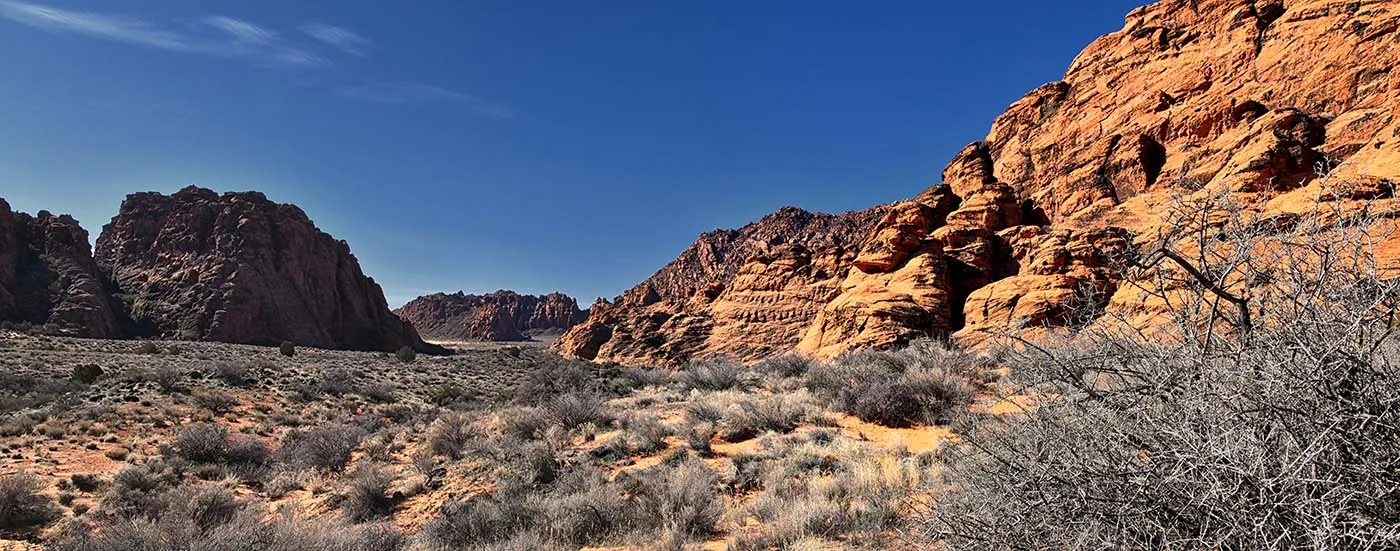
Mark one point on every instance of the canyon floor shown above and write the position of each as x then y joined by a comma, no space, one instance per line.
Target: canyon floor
494,447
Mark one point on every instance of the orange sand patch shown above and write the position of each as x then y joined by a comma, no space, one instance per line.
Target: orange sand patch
916,439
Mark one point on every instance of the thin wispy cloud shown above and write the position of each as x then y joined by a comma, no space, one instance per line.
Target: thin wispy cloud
242,31
418,92
222,36
341,38
117,28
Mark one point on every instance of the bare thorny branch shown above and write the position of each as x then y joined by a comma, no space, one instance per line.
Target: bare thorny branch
1276,429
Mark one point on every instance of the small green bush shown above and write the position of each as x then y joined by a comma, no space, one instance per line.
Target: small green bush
288,349
406,354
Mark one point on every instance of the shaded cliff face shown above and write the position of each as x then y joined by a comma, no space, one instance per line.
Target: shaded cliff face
239,268
741,293
48,276
1280,102
499,316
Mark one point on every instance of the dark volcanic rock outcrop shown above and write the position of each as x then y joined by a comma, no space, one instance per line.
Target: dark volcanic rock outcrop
499,316
1281,103
240,268
48,276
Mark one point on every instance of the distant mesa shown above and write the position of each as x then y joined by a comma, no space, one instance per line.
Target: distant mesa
501,316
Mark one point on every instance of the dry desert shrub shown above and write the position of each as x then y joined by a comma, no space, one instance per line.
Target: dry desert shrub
450,434
325,448
367,496
23,504
1261,414
717,374
924,383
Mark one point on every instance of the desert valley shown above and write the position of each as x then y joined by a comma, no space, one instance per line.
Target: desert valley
1153,308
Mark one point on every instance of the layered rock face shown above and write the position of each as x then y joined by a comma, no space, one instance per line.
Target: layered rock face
48,276
743,293
499,316
1280,103
240,268
1283,103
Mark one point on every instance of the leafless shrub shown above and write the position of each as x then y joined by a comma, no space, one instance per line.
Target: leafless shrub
552,377
326,448
925,382
168,378
379,392
450,434
644,432
23,504
642,377
216,401
367,496
750,417
718,374
235,374
480,520
586,511
683,500
139,491
575,408
337,382
698,438
203,443
786,365
524,421
1260,414
245,529
248,458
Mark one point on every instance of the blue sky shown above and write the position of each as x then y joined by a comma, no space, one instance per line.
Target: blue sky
570,145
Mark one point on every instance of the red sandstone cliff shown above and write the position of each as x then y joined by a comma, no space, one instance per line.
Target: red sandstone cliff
747,293
240,268
1282,102
48,276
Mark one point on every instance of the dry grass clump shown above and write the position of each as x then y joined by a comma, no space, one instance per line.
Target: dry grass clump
368,495
817,498
326,448
575,408
215,522
717,374
23,504
450,434
677,504
925,383
203,443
